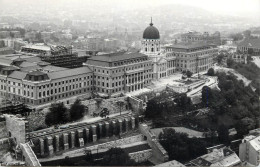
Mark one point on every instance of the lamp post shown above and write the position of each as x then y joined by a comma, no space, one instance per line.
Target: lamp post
120,103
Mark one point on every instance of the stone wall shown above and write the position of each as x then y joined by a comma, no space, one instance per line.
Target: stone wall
16,128
4,143
3,131
29,156
117,143
158,151
36,120
141,156
136,104
111,104
62,140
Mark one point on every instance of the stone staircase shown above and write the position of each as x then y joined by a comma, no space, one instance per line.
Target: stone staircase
30,157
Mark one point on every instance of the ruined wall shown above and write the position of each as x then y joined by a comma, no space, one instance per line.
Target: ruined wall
158,151
16,128
117,143
60,140
3,131
111,104
29,156
141,156
36,120
136,104
4,143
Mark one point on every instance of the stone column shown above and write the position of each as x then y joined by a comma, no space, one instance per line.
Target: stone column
65,141
41,141
80,137
126,124
107,129
94,132
57,143
120,126
133,122
49,145
86,135
72,139
101,131
114,127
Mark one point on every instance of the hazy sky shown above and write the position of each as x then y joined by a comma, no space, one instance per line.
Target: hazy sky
221,6
231,7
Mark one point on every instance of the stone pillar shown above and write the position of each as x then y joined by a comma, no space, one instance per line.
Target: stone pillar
133,122
107,129
86,134
49,145
94,132
65,141
120,126
80,137
126,124
41,141
72,139
57,143
114,127
101,130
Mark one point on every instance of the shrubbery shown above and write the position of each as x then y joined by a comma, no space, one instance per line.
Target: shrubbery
59,114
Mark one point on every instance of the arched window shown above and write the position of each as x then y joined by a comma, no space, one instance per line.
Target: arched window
146,49
152,50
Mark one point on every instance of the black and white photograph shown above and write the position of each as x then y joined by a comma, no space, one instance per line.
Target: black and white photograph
145,83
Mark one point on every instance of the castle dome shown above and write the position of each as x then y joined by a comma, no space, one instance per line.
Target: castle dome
151,32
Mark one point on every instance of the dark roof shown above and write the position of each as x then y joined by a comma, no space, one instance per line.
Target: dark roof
69,72
36,73
43,63
151,32
188,45
227,151
18,60
114,57
17,75
10,68
250,43
200,162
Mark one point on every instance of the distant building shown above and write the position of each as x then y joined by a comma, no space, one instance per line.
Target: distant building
256,33
121,72
249,150
46,35
206,37
94,44
249,46
239,58
56,55
178,57
4,34
36,83
218,157
173,163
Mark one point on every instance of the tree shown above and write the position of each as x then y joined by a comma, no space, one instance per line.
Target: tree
247,33
179,146
2,44
223,134
257,91
183,101
211,72
220,58
230,63
77,110
189,74
58,114
66,162
117,157
206,95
